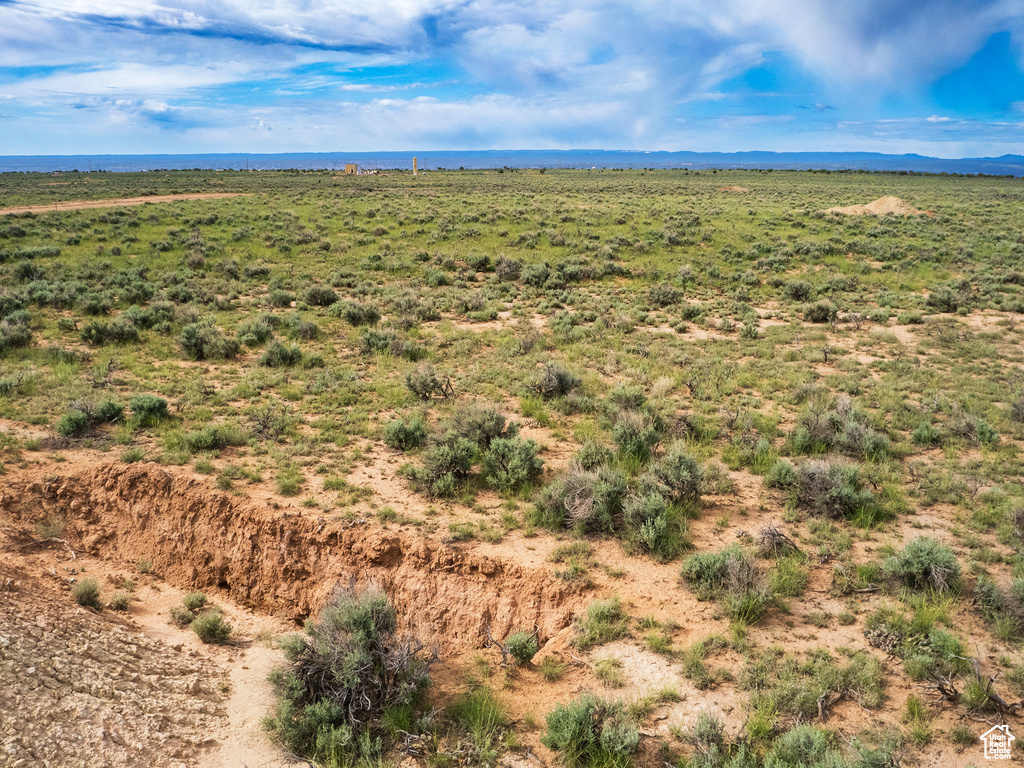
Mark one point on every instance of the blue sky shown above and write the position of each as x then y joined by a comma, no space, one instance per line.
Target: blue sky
938,78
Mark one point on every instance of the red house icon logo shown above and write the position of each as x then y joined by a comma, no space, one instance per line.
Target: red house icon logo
998,741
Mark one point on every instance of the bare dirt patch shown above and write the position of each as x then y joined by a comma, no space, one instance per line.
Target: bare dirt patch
733,189
75,205
883,206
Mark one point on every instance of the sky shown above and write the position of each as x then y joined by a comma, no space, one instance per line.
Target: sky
943,78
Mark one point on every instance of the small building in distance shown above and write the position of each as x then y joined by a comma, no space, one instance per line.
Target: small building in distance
351,169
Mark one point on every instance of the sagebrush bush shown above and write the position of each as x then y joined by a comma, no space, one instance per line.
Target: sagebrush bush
637,433
555,381
925,563
423,382
212,628
510,463
256,332
149,410
590,732
820,312
522,646
278,355
121,600
346,678
590,499
602,622
74,423
320,296
447,461
205,341
482,424
706,571
87,593
194,601
832,489
406,434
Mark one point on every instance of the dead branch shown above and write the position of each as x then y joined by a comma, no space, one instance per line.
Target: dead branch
492,643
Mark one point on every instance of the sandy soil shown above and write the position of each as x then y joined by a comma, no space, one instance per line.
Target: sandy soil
883,206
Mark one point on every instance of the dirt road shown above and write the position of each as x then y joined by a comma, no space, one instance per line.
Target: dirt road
74,205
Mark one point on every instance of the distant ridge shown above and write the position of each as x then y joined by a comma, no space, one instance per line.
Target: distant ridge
1007,165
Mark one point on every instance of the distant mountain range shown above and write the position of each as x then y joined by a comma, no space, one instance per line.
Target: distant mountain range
1007,165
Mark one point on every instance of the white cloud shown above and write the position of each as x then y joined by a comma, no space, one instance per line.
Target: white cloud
550,72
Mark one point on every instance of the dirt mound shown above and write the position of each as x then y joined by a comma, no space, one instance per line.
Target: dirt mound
111,691
290,564
883,206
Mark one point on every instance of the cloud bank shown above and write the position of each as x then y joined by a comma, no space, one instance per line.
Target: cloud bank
942,78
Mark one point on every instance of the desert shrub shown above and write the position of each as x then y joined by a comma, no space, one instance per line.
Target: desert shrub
405,435
346,678
423,382
1003,606
705,571
87,593
592,455
805,746
109,412
280,356
377,341
280,298
781,475
637,433
479,262
205,341
256,332
747,591
121,600
482,424
602,622
590,499
522,646
1017,410
926,433
798,290
654,524
15,331
74,423
118,331
838,426
320,296
149,410
676,475
211,628
194,601
971,427
447,461
213,437
512,462
925,563
820,312
662,295
296,327
535,274
356,314
508,270
794,687
590,732
555,381
832,489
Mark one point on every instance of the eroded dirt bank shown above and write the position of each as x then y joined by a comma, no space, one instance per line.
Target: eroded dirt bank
289,564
